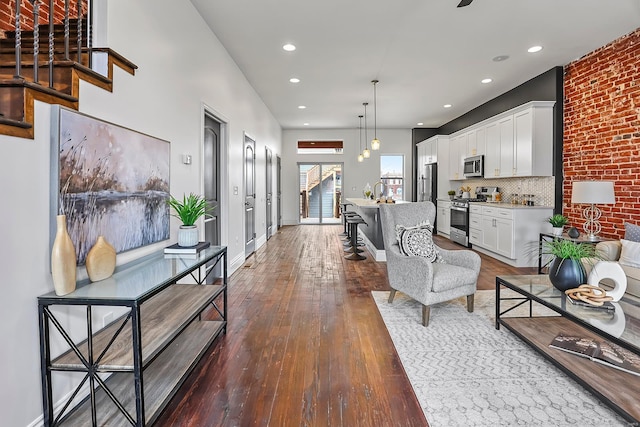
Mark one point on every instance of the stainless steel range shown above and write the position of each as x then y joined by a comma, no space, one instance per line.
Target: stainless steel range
459,231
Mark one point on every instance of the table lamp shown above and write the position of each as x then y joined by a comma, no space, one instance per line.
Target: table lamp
592,193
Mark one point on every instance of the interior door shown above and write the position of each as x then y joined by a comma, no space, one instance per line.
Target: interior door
279,190
211,175
269,192
249,196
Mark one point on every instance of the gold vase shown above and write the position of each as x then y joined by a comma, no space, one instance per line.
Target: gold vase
63,259
101,260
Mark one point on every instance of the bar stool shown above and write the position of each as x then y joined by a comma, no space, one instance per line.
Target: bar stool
343,211
353,225
347,237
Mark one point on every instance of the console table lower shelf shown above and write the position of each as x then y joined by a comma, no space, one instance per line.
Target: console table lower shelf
619,389
162,379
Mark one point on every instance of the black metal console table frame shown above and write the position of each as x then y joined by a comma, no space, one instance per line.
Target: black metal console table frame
214,255
530,298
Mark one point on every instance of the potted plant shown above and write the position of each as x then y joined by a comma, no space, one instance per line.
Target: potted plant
451,193
566,270
189,210
558,221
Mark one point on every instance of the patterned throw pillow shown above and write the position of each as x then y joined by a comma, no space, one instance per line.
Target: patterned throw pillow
631,232
418,241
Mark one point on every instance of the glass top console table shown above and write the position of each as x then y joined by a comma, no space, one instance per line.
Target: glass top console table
536,312
130,368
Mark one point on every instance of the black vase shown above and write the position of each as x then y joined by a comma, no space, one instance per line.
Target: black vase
573,232
567,274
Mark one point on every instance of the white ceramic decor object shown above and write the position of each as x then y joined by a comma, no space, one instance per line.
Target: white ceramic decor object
614,326
609,270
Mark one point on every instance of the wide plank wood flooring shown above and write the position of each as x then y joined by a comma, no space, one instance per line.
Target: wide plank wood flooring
305,344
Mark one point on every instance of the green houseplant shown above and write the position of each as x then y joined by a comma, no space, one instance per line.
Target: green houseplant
189,210
566,270
451,193
558,221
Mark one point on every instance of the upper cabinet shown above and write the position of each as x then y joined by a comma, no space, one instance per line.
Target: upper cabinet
518,142
457,152
533,141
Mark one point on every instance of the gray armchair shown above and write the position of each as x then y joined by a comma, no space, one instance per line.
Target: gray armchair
426,282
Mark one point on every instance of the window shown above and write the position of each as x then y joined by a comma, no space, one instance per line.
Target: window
392,176
319,147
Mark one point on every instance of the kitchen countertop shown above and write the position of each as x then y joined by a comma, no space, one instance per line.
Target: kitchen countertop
368,203
504,205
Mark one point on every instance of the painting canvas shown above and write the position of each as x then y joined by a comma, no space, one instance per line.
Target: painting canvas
108,180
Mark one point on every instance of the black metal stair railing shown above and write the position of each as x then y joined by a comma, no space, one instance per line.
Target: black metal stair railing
83,44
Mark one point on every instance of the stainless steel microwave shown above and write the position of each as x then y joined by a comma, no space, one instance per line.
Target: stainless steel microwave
473,167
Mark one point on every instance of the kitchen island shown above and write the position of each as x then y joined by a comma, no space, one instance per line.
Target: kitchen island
371,232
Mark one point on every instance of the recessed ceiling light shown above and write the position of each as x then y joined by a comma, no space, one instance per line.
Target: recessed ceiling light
294,80
485,81
500,58
534,49
302,107
305,124
420,124
289,47
447,105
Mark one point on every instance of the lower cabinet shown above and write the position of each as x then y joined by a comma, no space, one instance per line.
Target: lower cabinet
443,217
497,228
510,234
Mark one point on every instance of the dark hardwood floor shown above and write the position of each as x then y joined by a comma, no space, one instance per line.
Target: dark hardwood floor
305,344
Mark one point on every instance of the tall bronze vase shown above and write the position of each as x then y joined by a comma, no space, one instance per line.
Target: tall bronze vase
63,259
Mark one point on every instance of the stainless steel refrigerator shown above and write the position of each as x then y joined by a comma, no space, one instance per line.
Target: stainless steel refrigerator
428,190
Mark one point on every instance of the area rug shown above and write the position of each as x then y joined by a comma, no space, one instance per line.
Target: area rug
466,373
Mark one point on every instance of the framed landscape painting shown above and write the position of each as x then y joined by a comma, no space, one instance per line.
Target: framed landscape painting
108,180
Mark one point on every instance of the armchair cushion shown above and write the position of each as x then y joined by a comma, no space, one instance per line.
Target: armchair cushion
418,241
447,277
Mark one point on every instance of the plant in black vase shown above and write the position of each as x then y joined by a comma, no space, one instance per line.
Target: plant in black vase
566,270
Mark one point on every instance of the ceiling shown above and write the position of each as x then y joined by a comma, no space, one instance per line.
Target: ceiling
425,53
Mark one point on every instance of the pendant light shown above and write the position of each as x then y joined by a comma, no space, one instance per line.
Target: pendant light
360,156
375,142
366,153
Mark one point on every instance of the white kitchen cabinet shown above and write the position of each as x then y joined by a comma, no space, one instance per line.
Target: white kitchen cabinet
475,225
497,230
492,150
510,234
533,141
443,220
457,152
475,142
506,147
520,142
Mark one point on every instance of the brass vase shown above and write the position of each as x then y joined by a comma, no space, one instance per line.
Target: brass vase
101,260
63,259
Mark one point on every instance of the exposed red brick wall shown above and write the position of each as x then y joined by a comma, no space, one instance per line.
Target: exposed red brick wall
602,130
8,9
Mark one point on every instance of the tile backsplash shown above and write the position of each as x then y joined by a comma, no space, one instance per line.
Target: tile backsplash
542,187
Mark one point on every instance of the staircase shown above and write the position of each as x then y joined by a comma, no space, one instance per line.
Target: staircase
35,66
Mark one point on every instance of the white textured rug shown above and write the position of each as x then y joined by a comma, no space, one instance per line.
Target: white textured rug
466,373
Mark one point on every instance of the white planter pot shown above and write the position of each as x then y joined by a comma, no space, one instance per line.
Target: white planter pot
188,235
557,231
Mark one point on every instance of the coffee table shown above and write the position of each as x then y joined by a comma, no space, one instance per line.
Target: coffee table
536,312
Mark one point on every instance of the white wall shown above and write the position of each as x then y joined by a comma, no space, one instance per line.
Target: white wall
355,174
182,67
